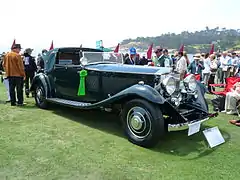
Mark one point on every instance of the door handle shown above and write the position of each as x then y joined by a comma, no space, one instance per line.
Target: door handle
59,67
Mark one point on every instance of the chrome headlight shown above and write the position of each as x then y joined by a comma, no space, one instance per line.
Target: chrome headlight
190,82
170,85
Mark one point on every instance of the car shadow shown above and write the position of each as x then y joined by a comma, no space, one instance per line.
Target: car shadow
28,106
175,143
193,147
97,119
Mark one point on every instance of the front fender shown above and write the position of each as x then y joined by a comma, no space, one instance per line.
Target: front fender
144,91
137,91
42,79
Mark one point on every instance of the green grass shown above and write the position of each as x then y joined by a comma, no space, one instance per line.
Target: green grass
63,143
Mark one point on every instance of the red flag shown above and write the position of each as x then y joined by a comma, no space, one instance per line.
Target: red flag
149,51
181,48
51,47
13,44
212,49
117,48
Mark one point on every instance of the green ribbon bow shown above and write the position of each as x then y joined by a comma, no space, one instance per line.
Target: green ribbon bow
81,88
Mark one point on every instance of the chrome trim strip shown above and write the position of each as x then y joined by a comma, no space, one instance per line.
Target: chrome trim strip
182,126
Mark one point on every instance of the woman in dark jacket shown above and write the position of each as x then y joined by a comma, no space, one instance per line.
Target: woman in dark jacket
196,66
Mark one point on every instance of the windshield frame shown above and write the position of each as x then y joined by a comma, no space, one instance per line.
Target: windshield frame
104,58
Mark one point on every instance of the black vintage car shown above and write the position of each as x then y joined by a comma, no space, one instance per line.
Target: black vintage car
150,100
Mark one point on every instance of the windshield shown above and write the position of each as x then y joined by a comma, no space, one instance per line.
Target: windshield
102,57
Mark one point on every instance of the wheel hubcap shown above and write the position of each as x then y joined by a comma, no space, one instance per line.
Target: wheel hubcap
136,122
139,122
39,95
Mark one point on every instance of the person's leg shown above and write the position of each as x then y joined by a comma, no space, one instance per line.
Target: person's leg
12,85
211,81
233,103
227,73
227,101
6,84
221,76
20,83
31,79
203,78
27,83
206,78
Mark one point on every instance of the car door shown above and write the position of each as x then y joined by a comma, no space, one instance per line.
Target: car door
67,79
65,74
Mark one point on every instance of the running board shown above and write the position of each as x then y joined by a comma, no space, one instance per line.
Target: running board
68,102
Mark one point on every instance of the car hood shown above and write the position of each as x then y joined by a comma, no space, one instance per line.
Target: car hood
123,68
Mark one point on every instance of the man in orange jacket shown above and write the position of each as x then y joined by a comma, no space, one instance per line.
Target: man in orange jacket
14,68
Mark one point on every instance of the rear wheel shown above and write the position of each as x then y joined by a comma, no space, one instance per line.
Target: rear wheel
143,122
40,96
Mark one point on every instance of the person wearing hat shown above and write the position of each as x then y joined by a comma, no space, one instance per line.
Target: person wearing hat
196,66
160,58
40,61
168,61
14,68
30,68
143,60
132,59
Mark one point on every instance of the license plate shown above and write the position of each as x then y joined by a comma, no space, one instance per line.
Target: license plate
194,128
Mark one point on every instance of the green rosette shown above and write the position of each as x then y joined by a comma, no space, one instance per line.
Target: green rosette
81,87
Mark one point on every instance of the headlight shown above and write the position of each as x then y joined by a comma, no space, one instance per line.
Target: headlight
190,82
170,85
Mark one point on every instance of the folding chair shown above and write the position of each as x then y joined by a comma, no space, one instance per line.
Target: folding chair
227,88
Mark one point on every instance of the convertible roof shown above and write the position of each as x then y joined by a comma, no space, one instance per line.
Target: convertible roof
77,49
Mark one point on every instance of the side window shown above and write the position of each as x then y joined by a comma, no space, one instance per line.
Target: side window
67,58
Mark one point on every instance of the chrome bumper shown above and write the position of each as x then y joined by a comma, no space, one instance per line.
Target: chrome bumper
182,126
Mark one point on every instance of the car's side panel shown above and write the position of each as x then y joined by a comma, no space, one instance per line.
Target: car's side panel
135,91
106,84
63,76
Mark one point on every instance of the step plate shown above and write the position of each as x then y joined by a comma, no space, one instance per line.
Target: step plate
68,102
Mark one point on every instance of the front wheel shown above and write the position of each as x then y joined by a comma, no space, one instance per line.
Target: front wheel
143,122
40,96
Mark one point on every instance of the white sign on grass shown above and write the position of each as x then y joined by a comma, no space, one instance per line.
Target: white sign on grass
213,136
194,128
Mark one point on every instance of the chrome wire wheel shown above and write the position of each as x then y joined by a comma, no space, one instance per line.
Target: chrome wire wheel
139,122
39,95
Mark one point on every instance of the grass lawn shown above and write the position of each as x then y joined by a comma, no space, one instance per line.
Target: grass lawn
62,143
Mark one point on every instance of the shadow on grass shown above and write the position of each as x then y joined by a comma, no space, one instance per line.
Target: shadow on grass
3,102
29,106
179,144
174,143
209,101
98,119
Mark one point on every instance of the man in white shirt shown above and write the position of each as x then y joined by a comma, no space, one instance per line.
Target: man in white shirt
206,71
234,62
224,66
181,66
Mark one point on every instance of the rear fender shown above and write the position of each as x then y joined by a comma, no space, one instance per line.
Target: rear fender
43,79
